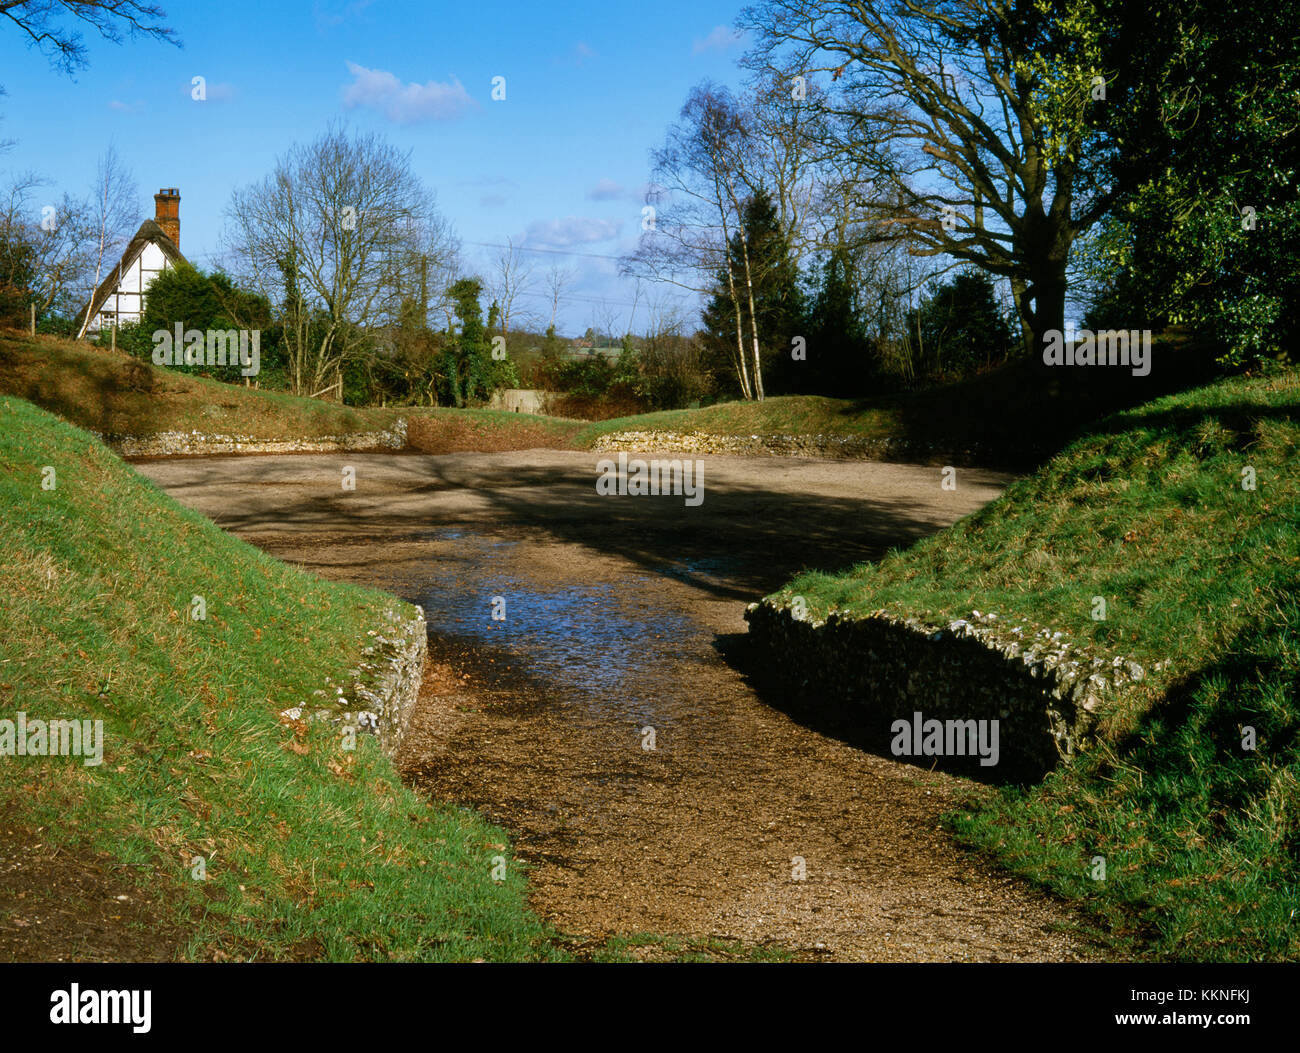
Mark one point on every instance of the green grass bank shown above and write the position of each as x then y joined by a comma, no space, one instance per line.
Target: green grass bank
1191,793
310,850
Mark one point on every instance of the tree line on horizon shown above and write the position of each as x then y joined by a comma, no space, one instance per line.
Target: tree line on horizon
885,164
898,195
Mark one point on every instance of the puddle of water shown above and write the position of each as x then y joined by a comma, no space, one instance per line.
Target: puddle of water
599,644
712,570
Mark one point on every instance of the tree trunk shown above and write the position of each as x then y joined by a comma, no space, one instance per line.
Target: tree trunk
1049,304
1046,288
753,321
1024,314
745,388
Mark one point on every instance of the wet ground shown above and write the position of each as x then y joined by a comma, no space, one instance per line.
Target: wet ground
587,691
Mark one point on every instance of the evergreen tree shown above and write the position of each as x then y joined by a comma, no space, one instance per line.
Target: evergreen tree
961,329
840,356
759,255
195,300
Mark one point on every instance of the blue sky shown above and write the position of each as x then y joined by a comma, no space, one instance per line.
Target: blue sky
561,164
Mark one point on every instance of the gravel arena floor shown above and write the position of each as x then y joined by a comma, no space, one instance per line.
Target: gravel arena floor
623,629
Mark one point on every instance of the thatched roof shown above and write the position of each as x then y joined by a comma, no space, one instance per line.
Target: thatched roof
149,231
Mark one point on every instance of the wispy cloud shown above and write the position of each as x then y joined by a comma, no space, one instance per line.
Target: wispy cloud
606,190
720,38
406,103
570,231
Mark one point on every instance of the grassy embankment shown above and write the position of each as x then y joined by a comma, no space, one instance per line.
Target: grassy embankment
117,395
1012,417
1201,837
1147,510
311,850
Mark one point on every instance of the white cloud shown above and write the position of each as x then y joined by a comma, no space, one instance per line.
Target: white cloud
606,190
573,230
406,103
720,38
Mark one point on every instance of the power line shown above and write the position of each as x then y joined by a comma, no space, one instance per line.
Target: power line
553,252
566,298
601,302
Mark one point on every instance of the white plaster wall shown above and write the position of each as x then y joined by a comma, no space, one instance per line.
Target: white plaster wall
126,302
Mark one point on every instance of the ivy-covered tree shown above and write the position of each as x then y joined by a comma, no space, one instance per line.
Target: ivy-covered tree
552,360
469,374
1207,229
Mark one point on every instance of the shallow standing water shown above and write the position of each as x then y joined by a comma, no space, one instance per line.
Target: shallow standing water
581,638
742,821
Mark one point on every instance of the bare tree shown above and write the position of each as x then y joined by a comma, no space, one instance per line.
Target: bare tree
16,254
113,209
510,277
41,21
5,144
698,191
434,261
783,120
335,235
52,239
604,320
631,314
972,118
558,279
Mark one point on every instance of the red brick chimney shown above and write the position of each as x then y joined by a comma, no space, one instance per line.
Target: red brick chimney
167,212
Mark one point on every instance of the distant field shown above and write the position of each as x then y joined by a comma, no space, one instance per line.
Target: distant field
780,415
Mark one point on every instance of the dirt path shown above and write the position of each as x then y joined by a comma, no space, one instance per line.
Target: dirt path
744,820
